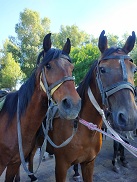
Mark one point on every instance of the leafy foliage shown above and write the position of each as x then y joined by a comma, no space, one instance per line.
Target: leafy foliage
134,58
10,72
83,58
30,33
76,36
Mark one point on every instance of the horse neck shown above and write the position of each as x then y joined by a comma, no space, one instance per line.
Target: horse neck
35,112
88,111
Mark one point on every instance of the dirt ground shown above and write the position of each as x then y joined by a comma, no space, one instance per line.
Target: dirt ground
102,172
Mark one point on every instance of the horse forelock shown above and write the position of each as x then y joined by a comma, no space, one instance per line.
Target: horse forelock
112,50
83,86
54,54
41,55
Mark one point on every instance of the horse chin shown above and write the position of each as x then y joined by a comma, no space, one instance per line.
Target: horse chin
120,128
123,124
125,128
68,116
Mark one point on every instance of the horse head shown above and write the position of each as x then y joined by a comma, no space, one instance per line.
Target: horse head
115,77
56,78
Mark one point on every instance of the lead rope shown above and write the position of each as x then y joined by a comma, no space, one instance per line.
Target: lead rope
115,136
21,148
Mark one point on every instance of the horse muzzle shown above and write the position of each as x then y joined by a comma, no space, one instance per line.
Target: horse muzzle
68,109
124,120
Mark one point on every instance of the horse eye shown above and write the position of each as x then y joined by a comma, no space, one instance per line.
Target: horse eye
48,66
102,70
135,70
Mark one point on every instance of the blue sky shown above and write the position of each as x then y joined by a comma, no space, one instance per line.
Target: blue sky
92,16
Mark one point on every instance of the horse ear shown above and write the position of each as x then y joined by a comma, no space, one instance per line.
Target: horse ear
130,43
67,46
47,42
102,43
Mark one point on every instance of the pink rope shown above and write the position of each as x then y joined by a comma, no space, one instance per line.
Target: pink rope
92,126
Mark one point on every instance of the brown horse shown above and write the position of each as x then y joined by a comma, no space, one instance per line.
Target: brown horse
111,80
51,81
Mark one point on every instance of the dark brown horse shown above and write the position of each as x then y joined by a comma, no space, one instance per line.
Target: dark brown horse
51,81
111,80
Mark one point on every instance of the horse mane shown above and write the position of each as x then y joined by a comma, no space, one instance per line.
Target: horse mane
25,93
10,105
83,86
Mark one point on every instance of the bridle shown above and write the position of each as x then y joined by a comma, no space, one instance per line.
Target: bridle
49,90
124,84
105,93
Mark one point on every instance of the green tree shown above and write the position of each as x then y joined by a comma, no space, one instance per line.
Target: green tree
10,47
82,58
133,55
30,30
10,72
77,37
112,40
94,40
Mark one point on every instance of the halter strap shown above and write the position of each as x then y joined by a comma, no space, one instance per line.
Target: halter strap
119,86
57,84
49,90
116,57
41,84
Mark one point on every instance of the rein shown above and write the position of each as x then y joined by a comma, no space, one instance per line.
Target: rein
115,136
66,141
21,148
50,115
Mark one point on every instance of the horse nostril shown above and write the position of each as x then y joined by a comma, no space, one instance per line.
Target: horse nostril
122,120
66,103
